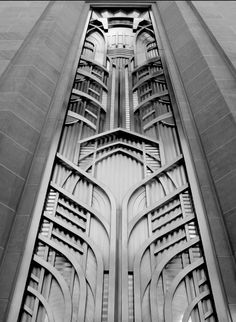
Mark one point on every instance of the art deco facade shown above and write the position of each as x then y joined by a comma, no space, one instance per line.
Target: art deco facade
118,125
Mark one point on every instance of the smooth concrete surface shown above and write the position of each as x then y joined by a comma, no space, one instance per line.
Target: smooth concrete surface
208,77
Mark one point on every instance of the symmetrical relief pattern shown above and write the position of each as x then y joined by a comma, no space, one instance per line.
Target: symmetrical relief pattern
118,238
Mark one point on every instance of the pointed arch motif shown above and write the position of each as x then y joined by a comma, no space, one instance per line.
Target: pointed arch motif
118,237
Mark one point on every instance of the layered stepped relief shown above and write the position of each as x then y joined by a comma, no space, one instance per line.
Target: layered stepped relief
119,238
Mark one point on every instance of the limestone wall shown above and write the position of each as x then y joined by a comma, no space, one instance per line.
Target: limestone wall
202,39
37,46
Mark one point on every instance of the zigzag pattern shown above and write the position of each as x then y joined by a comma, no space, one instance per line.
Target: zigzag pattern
119,231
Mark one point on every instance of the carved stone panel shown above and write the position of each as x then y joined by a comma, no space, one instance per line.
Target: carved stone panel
119,238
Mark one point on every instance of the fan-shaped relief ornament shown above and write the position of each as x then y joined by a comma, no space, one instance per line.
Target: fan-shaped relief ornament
118,238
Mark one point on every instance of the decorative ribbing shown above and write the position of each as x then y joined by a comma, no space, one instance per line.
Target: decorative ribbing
118,238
